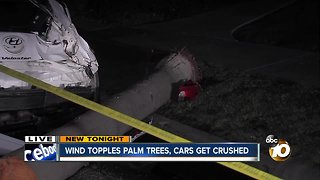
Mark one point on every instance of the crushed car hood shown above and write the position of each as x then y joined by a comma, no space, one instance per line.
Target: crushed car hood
27,53
55,53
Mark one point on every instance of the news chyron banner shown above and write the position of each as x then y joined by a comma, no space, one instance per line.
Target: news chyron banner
120,148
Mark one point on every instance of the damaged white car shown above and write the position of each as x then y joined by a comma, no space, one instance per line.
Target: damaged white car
38,38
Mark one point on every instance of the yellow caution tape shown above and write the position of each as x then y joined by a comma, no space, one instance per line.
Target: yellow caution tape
157,132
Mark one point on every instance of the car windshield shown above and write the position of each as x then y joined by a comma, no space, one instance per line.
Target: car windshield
22,16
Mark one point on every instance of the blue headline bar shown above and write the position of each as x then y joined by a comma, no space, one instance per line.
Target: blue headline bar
160,150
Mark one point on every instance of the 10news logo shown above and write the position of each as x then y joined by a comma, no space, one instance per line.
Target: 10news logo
279,149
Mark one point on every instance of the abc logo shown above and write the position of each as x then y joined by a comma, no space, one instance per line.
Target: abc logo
279,149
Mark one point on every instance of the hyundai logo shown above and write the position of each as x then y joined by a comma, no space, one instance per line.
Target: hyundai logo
13,44
13,41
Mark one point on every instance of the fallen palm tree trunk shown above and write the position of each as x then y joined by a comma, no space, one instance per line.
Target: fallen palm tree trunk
139,102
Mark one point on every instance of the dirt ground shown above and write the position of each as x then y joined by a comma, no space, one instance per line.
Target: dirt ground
247,107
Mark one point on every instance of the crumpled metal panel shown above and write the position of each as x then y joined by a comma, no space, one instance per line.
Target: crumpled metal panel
62,58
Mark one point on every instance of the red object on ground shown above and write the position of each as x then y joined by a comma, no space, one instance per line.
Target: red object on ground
188,90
